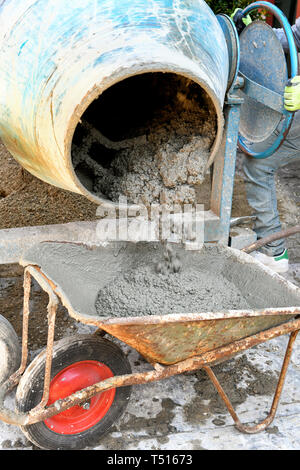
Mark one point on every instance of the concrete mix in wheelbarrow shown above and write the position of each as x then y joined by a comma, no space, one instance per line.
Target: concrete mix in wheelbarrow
166,286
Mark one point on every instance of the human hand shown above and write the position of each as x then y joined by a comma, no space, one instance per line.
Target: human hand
239,21
292,94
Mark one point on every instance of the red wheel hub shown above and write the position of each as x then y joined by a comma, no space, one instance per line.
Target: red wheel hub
75,377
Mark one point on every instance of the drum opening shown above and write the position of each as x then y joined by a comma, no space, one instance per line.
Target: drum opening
147,138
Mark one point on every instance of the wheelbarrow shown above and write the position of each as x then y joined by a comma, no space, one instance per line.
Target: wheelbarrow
74,391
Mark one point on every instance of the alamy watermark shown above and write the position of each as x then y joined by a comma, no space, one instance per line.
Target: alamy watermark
129,222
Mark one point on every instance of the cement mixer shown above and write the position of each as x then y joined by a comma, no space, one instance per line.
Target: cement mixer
79,52
107,62
62,65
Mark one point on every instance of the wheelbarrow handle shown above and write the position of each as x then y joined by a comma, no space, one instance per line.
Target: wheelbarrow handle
271,238
288,115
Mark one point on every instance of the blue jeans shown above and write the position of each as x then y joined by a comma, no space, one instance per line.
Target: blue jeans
260,184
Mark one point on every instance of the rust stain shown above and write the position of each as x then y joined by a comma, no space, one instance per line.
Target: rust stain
174,342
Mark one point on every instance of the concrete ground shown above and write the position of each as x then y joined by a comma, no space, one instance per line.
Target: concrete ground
184,412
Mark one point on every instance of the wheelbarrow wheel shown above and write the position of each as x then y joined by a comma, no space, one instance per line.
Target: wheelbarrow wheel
77,362
10,350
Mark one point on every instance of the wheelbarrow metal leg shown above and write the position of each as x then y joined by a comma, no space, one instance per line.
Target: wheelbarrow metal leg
15,377
7,415
52,309
268,420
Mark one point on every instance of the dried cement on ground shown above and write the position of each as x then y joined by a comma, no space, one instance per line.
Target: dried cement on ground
164,163
147,290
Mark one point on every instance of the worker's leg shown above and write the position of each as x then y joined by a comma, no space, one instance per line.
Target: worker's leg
261,189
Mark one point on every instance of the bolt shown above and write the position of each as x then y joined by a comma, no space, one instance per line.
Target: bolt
86,405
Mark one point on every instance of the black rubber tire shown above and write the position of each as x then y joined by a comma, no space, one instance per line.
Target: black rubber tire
66,352
10,350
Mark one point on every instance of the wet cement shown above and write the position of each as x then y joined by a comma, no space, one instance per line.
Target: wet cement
163,160
165,286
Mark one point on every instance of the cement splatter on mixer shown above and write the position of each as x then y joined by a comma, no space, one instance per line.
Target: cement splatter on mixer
160,157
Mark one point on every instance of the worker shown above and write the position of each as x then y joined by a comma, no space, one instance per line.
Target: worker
260,173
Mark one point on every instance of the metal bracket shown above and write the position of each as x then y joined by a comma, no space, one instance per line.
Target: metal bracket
263,95
224,164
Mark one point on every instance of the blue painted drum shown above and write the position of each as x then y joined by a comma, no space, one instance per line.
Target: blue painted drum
56,58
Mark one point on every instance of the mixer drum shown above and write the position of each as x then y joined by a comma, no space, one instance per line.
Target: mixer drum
57,61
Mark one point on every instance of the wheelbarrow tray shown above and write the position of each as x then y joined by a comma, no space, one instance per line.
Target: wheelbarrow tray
77,272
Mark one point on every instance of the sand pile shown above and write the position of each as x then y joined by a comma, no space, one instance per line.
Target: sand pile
164,158
27,201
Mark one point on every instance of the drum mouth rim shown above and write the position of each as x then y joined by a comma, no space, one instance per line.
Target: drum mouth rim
124,74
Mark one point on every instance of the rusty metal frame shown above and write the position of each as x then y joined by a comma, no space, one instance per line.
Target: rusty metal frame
7,415
268,420
159,372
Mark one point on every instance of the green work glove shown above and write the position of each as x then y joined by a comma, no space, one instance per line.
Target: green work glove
292,94
239,21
